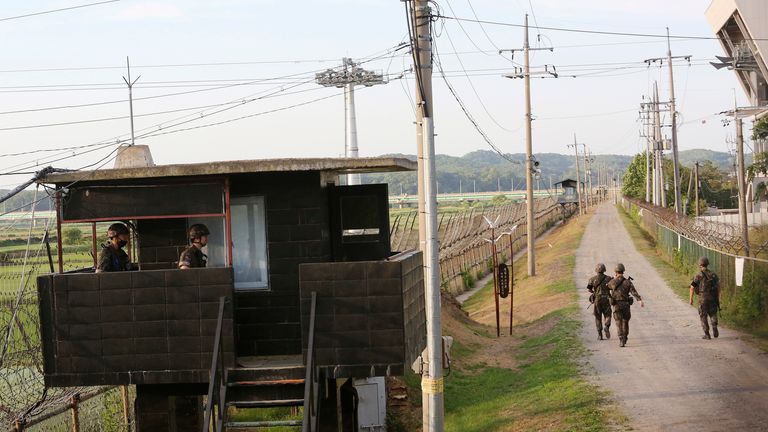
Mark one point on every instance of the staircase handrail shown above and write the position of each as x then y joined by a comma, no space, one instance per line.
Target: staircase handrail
309,422
217,388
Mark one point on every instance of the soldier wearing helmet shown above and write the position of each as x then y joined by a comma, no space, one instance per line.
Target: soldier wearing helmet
622,291
600,297
193,256
706,285
112,257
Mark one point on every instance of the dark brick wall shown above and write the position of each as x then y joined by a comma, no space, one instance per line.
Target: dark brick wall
161,242
162,408
368,315
296,205
145,327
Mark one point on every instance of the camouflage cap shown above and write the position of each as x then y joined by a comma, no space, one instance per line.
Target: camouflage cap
704,261
600,268
619,268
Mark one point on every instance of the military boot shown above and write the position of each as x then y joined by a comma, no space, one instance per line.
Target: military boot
622,341
599,335
706,336
715,333
607,333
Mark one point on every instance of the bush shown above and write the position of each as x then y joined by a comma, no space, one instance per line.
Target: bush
72,236
467,279
748,304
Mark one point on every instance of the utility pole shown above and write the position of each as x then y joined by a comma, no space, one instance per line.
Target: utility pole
530,232
432,377
740,179
696,173
586,191
575,145
591,192
525,74
662,196
350,76
673,115
645,117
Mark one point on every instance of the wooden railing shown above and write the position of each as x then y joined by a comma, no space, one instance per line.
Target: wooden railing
309,424
215,405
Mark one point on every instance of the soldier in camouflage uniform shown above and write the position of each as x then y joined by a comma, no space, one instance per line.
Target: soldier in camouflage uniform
193,256
706,285
600,297
112,257
622,291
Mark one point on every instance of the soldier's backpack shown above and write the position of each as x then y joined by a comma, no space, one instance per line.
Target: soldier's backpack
602,288
708,285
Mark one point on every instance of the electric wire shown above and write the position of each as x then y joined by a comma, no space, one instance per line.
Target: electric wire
57,10
467,114
598,32
485,108
105,119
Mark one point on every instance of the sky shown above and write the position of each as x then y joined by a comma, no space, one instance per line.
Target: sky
234,79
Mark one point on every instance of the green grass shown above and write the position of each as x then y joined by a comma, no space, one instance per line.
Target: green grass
265,414
546,388
547,384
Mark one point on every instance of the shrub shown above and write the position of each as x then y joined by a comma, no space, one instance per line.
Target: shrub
72,236
748,304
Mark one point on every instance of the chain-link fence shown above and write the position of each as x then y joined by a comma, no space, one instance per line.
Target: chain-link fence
465,255
744,294
26,251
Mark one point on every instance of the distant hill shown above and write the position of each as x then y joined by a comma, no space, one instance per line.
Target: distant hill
486,171
722,160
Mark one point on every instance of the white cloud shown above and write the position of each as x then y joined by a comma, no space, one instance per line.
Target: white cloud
149,10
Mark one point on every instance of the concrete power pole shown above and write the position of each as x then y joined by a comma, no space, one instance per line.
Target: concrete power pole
530,231
587,197
578,181
658,143
432,377
740,178
673,115
696,186
350,76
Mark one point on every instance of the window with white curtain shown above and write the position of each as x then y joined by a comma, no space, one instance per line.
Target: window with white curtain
249,242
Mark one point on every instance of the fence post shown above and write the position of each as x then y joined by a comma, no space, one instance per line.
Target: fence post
126,408
75,415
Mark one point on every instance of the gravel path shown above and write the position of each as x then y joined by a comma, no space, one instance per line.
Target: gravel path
667,378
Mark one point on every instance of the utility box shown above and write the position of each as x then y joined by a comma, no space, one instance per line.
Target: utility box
371,404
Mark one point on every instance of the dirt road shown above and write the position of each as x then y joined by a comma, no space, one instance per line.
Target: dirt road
667,378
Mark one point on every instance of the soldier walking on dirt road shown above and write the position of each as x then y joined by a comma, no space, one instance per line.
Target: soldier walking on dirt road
600,298
622,291
706,285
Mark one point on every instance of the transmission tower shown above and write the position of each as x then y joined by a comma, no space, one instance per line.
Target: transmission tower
347,77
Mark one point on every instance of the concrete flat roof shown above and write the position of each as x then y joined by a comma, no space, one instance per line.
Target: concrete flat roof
338,165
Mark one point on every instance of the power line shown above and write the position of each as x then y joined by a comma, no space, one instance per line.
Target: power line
463,107
600,32
473,86
482,27
245,116
57,10
105,119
